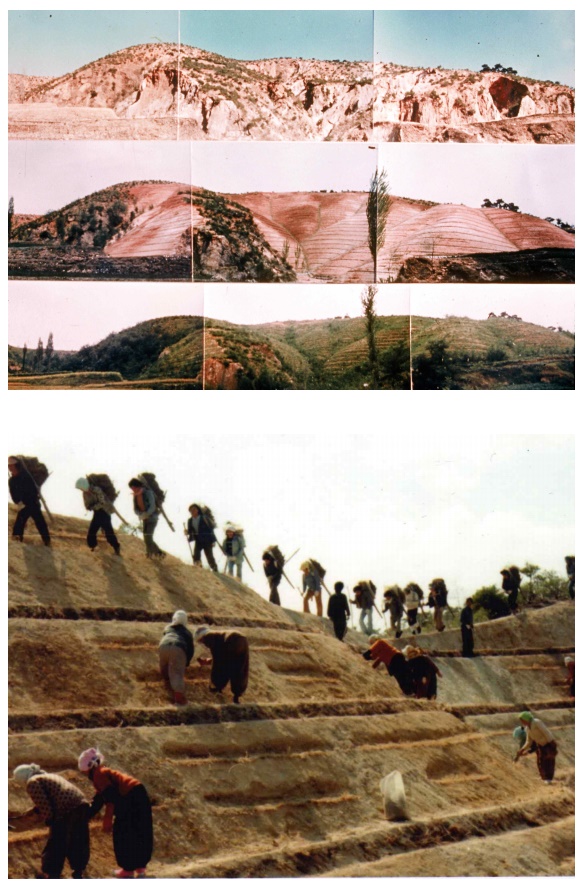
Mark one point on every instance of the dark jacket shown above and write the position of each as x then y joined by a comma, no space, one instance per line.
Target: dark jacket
338,607
178,635
23,489
271,567
204,535
466,617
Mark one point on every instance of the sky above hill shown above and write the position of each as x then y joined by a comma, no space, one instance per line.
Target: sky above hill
391,507
44,176
36,308
57,42
536,43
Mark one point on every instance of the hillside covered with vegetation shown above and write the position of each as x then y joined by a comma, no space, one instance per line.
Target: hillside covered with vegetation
451,353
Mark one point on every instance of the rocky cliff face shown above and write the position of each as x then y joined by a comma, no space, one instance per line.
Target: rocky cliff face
208,96
433,97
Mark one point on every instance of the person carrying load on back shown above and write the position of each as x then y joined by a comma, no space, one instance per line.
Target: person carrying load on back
394,604
364,600
24,490
414,599
128,813
65,810
233,548
230,662
438,601
510,584
381,651
175,653
146,508
424,672
546,749
338,610
95,499
273,561
312,575
201,530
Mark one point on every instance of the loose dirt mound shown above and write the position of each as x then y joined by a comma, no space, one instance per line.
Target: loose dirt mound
284,784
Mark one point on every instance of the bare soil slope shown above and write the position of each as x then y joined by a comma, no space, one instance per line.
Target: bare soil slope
284,784
175,91
303,236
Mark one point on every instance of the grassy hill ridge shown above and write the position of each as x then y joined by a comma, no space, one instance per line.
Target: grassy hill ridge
329,353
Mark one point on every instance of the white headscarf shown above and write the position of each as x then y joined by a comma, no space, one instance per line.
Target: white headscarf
180,617
26,771
89,759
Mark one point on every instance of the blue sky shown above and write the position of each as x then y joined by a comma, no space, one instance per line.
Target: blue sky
50,43
537,43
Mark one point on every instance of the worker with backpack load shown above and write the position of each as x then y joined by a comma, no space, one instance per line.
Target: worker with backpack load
99,495
365,601
510,584
234,548
438,601
394,604
27,475
312,576
148,498
273,561
414,599
200,528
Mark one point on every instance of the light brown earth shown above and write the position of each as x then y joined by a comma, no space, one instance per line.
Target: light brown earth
285,784
168,91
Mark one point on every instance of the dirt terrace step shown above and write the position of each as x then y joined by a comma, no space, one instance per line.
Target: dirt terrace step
371,844
124,614
200,714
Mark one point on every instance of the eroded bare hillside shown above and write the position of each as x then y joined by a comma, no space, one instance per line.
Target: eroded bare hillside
284,784
169,91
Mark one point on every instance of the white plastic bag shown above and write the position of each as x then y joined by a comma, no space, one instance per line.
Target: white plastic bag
394,796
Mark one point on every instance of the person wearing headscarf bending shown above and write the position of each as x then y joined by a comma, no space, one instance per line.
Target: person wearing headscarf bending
380,651
540,738
424,672
128,813
175,652
65,810
230,659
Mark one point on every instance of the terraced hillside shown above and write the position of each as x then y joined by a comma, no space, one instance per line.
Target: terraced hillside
189,352
284,784
279,237
169,90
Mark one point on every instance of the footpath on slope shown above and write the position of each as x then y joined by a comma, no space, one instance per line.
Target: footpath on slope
285,784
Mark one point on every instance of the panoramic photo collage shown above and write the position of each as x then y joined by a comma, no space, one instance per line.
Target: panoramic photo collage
291,200
324,635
